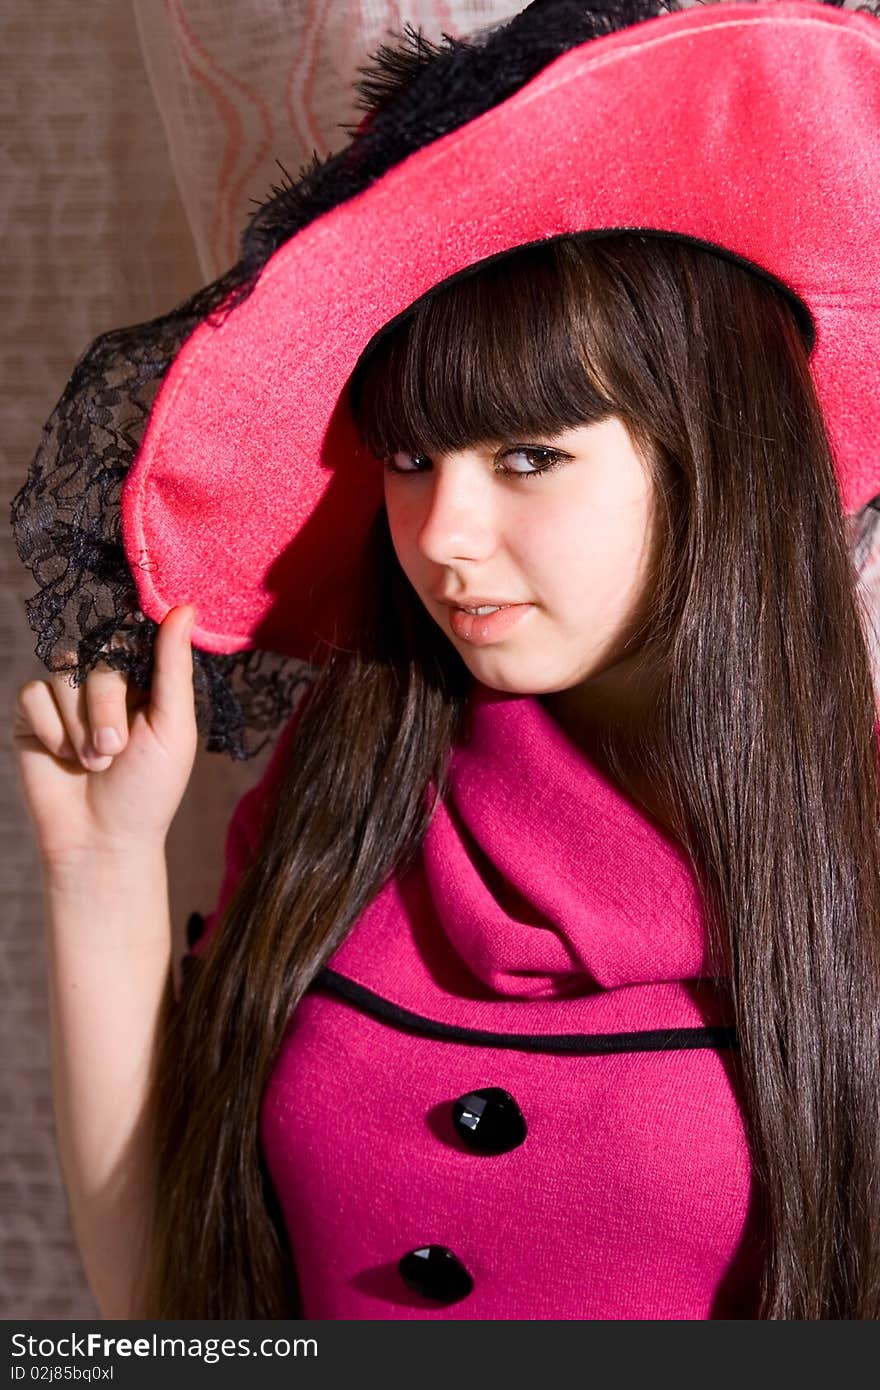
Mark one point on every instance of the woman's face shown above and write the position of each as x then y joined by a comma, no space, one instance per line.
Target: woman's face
574,547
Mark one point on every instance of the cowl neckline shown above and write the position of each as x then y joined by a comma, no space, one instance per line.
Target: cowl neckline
542,899
544,874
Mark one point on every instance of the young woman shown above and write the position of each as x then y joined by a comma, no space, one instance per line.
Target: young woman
543,980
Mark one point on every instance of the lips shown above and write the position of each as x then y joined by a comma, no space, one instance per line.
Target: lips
482,629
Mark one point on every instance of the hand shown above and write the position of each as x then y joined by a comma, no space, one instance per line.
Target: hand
80,800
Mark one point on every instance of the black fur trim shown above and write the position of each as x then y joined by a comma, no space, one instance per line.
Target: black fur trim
414,91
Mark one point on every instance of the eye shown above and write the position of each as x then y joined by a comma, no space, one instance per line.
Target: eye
393,462
544,459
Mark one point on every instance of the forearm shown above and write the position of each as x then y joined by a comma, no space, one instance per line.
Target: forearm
109,961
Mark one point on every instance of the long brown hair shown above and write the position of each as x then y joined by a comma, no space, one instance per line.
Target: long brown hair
764,747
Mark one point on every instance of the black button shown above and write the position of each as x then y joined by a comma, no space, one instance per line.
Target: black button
489,1121
195,925
436,1273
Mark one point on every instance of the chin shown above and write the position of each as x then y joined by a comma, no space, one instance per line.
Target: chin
512,682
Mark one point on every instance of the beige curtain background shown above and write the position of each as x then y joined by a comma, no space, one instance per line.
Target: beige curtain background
135,134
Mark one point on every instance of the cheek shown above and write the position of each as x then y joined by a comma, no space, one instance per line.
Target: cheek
591,558
403,526
401,511
566,542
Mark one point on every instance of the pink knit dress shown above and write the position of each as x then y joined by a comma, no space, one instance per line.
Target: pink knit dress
513,1092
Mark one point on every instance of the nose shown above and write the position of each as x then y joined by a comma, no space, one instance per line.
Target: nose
457,512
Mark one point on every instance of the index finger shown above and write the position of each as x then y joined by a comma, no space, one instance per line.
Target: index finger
172,683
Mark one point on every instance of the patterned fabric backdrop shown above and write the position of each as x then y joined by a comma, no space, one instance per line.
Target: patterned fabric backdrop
139,134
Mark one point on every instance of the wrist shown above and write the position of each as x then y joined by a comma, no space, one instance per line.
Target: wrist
84,864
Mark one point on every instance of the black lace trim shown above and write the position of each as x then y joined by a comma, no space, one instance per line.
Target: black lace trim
66,516
66,520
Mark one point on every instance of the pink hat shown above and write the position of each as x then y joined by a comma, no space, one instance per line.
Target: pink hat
751,129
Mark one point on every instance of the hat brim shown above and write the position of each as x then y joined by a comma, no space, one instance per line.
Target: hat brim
753,132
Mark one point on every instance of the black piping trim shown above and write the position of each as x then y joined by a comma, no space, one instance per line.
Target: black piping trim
597,1044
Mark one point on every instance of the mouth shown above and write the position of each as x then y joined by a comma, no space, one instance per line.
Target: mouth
483,627
483,609
474,603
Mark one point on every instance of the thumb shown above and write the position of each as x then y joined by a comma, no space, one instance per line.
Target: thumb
172,684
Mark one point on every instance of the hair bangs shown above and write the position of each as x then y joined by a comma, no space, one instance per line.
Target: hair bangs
501,352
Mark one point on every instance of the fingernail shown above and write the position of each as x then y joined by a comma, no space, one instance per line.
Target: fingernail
107,742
